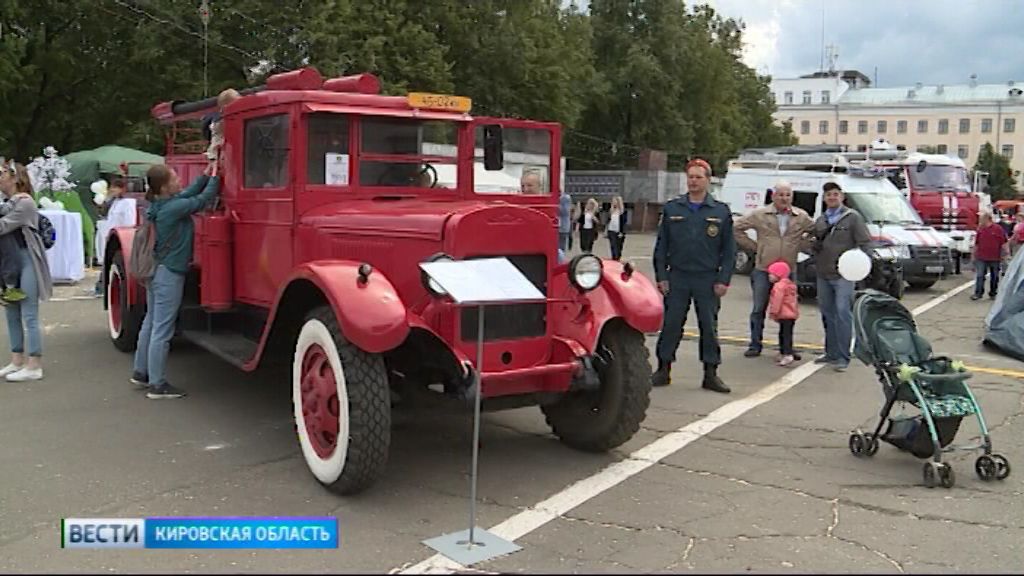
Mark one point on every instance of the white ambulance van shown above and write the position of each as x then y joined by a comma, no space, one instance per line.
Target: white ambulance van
923,253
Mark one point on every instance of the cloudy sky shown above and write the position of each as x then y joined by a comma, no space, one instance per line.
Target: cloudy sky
930,41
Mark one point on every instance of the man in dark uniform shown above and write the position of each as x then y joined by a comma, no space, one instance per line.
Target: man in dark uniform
693,260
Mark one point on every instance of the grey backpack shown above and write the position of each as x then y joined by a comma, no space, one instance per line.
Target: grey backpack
143,262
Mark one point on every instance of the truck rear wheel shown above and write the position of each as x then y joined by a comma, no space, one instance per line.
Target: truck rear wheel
342,406
599,420
123,320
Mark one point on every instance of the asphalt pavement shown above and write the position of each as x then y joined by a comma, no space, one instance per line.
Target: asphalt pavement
759,480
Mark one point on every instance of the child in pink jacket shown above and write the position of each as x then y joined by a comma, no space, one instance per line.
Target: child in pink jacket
784,308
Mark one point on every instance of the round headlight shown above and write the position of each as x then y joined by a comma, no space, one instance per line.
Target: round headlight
429,283
585,271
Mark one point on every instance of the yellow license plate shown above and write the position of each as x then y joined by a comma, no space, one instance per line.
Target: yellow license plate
439,102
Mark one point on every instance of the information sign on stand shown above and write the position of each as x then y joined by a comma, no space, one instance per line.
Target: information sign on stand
478,283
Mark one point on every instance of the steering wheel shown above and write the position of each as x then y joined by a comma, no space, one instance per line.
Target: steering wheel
428,171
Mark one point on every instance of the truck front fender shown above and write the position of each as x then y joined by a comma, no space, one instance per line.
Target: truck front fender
371,314
632,297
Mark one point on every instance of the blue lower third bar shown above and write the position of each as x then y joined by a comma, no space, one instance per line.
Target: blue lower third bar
272,532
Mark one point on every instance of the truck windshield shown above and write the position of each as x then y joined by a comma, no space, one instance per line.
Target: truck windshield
941,178
883,208
405,152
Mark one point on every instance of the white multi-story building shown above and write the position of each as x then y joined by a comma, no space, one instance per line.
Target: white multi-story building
956,120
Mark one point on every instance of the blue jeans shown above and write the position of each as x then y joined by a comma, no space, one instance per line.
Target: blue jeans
761,290
980,268
163,298
835,299
25,311
565,241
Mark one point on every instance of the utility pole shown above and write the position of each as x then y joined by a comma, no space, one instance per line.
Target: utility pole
204,15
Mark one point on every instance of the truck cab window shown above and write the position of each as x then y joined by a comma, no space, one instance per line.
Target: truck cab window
527,163
266,152
327,156
405,152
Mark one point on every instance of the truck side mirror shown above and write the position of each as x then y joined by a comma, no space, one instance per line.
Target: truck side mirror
494,149
921,166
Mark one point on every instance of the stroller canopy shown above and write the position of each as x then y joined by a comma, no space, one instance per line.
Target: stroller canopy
869,307
1004,325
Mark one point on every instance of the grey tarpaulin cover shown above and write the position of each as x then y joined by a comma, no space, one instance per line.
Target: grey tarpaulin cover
1004,325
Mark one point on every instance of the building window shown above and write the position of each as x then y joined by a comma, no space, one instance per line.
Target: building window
1008,151
986,125
805,127
965,125
826,96
962,151
943,126
807,96
941,149
823,127
883,126
922,126
844,126
1009,125
788,98
862,127
901,127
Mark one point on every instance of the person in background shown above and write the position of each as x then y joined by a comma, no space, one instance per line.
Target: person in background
170,210
213,126
530,183
694,258
988,252
837,230
782,230
1017,240
114,193
784,308
616,227
23,316
564,222
588,224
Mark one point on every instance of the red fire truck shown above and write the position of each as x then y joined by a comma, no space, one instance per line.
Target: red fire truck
332,196
938,188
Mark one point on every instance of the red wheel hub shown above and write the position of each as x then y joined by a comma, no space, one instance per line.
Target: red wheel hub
320,401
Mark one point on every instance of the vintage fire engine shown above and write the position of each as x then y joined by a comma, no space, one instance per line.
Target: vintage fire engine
332,196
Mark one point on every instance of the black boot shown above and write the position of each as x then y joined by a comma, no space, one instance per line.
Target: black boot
661,375
712,381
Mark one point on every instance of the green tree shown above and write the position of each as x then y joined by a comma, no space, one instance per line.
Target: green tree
1001,183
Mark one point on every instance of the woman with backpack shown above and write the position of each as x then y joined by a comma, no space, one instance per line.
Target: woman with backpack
170,215
35,281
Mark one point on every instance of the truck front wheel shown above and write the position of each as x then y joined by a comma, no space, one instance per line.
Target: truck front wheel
602,419
342,406
123,320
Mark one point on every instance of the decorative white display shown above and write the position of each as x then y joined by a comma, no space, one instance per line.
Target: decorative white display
49,173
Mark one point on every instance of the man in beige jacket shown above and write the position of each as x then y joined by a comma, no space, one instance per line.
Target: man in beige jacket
783,230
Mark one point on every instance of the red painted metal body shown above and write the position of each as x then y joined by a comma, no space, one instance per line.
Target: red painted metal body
259,242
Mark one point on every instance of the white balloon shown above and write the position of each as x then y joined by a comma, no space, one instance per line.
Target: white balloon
854,265
99,187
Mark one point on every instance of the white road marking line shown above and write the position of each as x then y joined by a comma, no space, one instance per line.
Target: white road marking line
583,490
72,298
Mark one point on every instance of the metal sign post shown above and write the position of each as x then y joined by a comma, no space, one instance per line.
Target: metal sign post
478,283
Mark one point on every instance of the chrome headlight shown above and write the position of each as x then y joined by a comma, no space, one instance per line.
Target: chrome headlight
585,272
886,253
902,251
429,283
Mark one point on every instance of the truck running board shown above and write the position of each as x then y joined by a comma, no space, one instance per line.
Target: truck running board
234,348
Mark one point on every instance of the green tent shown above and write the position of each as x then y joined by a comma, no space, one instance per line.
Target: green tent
88,166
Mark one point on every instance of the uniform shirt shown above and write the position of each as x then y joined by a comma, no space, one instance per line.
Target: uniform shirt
695,240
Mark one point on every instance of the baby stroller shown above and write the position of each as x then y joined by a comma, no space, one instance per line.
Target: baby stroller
887,339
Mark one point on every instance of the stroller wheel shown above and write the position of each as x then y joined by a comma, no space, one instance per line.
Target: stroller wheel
871,444
946,476
931,474
1002,466
858,446
986,467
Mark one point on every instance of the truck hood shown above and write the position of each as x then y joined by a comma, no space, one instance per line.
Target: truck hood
405,218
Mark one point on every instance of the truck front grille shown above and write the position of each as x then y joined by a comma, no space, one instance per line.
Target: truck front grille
512,321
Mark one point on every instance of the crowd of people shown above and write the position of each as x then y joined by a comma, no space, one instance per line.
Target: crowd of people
588,220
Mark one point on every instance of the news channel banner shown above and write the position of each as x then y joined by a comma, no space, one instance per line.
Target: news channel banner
200,532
